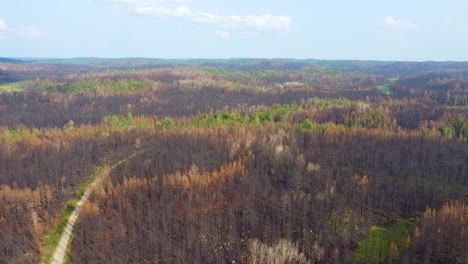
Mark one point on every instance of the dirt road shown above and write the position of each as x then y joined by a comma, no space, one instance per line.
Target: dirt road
60,251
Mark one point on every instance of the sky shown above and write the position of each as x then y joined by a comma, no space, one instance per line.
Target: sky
404,30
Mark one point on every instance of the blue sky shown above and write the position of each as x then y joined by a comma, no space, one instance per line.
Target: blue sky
360,29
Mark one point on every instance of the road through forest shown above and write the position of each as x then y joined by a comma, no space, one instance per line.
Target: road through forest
61,250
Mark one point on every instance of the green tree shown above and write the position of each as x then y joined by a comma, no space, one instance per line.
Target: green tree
307,124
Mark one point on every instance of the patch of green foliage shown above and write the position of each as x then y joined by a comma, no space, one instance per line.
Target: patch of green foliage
245,75
276,114
307,124
334,102
385,89
6,88
458,129
370,119
127,122
240,86
335,72
461,127
52,238
318,128
383,243
220,118
279,114
18,132
167,123
122,123
84,87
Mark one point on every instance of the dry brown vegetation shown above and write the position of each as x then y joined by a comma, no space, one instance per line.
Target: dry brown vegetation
263,166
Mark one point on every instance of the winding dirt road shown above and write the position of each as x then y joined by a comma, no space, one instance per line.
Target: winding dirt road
61,250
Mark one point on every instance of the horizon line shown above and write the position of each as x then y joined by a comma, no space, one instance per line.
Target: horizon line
31,59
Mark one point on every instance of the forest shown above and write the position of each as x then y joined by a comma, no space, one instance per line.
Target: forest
234,161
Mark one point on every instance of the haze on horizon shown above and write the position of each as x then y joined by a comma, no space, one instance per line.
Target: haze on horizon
363,29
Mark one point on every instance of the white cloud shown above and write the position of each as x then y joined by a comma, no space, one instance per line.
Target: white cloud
123,1
183,11
269,21
154,11
10,33
149,2
179,8
3,25
223,34
395,22
392,21
180,11
265,21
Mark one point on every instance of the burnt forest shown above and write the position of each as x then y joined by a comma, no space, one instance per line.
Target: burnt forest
233,161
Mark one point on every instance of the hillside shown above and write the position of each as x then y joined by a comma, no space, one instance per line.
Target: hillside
239,161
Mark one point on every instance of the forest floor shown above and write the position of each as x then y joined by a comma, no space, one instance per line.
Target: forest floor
61,250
